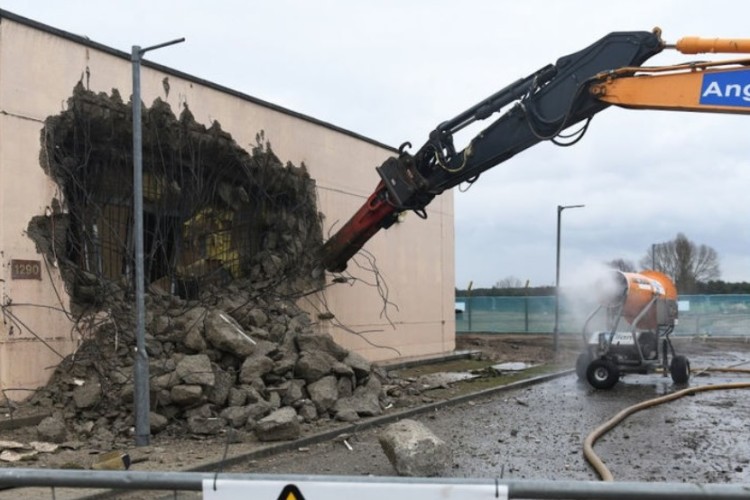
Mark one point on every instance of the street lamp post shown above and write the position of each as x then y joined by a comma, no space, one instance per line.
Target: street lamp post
556,331
140,367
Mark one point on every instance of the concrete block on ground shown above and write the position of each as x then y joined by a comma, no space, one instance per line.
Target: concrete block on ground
414,450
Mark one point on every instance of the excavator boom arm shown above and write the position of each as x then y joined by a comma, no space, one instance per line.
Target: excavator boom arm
720,87
537,108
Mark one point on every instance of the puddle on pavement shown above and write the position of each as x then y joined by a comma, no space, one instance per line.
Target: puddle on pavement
513,366
661,385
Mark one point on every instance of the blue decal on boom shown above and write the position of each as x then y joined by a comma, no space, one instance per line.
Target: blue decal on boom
731,88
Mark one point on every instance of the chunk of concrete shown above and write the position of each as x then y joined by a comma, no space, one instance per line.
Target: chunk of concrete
323,393
186,394
87,395
52,429
255,367
321,342
225,334
196,369
280,425
414,450
313,366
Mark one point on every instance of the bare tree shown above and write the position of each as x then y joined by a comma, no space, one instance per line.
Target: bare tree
623,265
509,282
684,261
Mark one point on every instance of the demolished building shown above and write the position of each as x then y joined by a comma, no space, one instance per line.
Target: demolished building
235,189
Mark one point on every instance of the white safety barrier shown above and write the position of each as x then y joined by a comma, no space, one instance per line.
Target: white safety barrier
296,487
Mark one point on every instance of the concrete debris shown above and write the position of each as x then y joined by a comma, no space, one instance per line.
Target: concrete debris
281,425
87,395
365,402
196,369
312,365
270,391
322,343
226,335
346,414
72,445
359,365
254,368
12,445
43,447
239,357
324,393
414,450
186,395
229,349
17,456
53,429
236,416
205,426
157,422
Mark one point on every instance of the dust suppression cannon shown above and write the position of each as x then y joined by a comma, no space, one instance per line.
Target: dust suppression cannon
644,305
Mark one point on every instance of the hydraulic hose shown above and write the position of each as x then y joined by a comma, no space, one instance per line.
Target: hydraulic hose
588,444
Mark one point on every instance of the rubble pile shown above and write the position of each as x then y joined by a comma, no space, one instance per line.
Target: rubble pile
241,362
232,240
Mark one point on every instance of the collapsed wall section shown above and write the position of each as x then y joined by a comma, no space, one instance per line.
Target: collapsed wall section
213,212
231,239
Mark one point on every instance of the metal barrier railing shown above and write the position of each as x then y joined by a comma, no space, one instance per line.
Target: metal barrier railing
262,486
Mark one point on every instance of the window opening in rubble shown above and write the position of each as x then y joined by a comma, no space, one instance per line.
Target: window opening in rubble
213,212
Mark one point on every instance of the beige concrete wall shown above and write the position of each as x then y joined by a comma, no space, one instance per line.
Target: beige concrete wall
38,70
36,332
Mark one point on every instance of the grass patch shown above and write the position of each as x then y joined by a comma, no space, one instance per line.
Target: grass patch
489,381
456,365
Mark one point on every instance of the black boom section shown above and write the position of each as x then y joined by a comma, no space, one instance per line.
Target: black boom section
547,102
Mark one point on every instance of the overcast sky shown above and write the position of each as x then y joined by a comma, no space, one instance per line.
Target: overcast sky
394,69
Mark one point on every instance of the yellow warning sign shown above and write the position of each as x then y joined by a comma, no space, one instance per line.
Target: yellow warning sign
291,492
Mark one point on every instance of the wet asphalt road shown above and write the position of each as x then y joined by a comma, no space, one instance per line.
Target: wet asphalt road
538,433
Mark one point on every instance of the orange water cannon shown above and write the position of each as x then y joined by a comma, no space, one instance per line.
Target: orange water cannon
646,300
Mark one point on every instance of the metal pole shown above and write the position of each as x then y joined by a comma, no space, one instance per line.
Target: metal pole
556,330
468,303
526,308
140,367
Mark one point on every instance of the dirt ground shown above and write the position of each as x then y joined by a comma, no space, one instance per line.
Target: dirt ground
521,347
169,454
